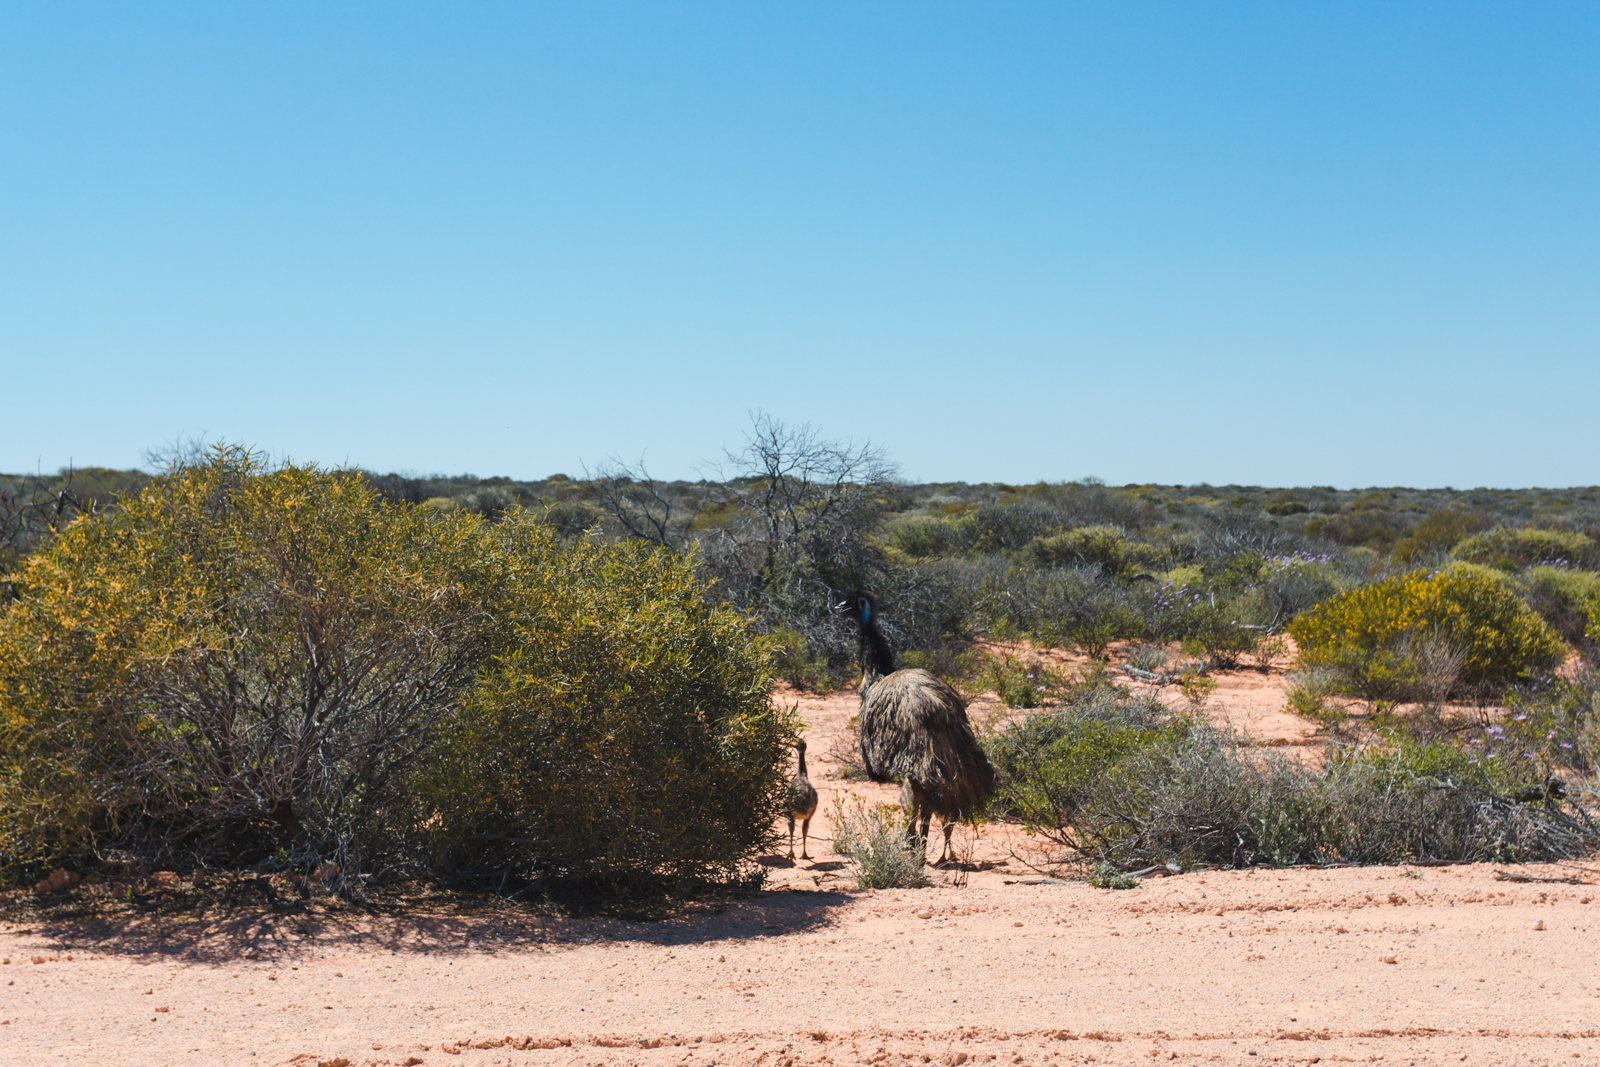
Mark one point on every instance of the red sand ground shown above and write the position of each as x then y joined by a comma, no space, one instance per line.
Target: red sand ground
1388,965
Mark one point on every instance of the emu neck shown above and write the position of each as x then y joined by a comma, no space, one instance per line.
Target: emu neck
877,658
802,763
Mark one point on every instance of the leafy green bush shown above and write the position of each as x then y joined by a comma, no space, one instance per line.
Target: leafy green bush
244,663
1002,527
795,664
1375,632
236,661
626,731
1081,606
1106,547
1018,683
1051,759
1308,691
1569,600
1512,549
921,536
1105,876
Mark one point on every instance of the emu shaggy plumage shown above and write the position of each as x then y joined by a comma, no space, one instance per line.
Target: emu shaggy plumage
915,727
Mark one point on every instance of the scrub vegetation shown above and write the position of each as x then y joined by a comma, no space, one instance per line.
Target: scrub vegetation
354,675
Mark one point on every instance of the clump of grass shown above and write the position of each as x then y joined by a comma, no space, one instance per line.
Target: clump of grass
1307,694
874,839
1148,657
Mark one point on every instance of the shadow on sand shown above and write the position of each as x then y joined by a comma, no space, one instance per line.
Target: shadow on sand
217,931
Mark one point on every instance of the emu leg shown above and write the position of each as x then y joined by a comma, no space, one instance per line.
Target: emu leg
805,831
916,808
946,855
791,838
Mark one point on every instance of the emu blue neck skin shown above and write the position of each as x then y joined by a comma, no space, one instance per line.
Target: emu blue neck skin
877,658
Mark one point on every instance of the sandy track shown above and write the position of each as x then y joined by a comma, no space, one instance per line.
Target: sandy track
1231,967
1292,969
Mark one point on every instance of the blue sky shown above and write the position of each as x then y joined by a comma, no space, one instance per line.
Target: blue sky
1353,244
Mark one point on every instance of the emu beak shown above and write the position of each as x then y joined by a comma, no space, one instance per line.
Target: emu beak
844,607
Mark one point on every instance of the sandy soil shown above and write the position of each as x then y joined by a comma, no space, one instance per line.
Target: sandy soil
1410,966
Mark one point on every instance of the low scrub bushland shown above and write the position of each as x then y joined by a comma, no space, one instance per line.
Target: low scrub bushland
1399,638
1120,781
246,666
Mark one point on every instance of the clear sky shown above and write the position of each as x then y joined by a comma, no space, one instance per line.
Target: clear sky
1350,244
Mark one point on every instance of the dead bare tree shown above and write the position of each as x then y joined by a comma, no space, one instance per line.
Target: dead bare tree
639,504
783,528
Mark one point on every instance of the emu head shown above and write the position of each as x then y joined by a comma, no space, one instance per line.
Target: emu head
859,606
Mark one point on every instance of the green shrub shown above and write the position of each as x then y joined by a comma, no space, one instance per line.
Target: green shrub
1550,724
238,661
1148,657
1051,759
1308,691
1077,605
1106,547
1020,684
1569,600
1436,535
1105,876
1375,633
1002,527
795,664
1512,549
1201,797
626,731
921,536
245,663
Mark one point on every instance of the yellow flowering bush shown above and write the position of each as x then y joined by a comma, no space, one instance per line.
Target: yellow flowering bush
1385,625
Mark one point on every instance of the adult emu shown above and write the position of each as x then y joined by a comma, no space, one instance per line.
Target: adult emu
915,727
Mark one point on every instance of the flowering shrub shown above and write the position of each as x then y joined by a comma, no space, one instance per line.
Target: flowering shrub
1379,630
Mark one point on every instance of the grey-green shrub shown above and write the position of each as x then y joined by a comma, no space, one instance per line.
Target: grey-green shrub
874,838
1514,548
1569,600
1106,547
